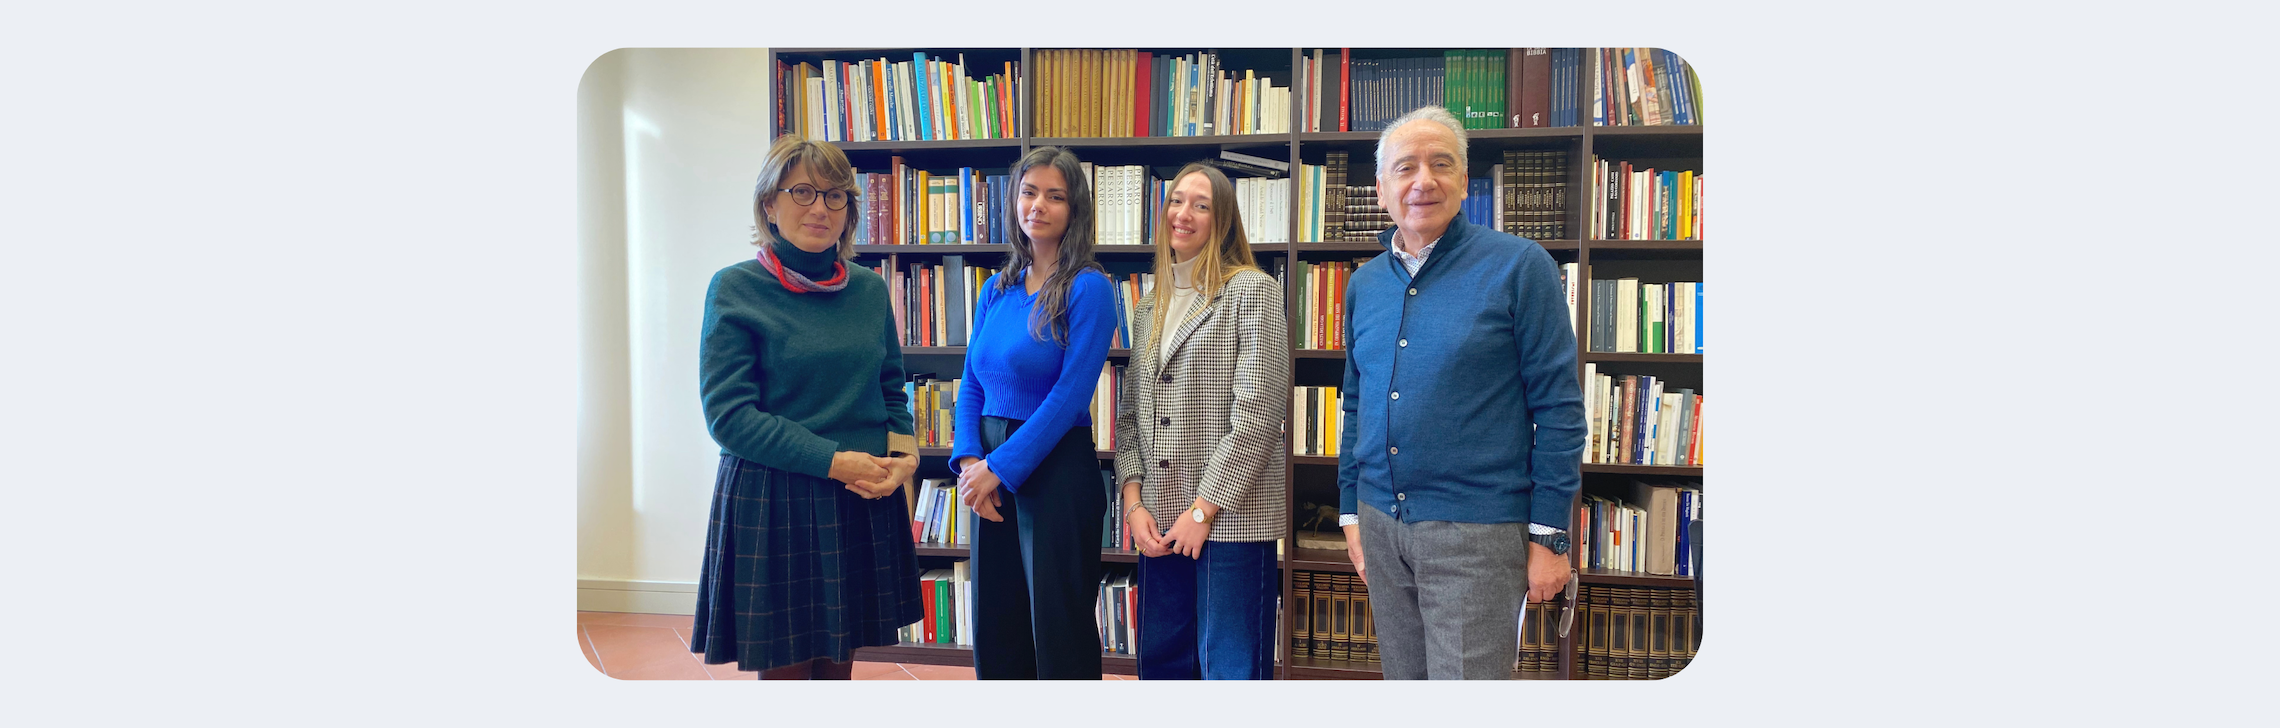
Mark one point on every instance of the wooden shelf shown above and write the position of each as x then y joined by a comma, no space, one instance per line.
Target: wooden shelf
1327,560
1314,460
1666,130
1687,470
955,656
1611,577
1011,146
1318,668
1318,353
1342,246
1603,356
1667,246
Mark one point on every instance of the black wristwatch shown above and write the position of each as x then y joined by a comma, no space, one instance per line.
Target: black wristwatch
1557,542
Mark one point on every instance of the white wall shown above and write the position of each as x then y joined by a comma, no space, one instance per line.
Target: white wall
669,143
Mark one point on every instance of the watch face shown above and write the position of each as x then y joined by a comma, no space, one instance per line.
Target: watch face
1197,514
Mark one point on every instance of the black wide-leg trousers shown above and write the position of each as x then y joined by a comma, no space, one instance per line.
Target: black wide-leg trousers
1037,573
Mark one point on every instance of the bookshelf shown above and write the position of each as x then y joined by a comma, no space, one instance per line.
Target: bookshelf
1309,477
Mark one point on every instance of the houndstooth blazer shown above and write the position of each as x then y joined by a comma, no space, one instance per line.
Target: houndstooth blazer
1209,419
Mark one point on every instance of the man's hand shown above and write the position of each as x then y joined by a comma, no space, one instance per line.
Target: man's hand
1547,573
1354,551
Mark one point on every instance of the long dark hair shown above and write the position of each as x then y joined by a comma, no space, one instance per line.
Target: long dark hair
1052,311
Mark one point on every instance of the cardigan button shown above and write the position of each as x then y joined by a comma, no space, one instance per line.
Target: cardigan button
1412,291
1405,343
1393,451
1397,395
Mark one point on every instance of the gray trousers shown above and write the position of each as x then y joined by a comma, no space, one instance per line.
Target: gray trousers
1445,596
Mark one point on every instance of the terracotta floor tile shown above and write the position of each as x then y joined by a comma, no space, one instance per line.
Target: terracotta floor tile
627,619
864,670
940,672
644,653
588,649
896,674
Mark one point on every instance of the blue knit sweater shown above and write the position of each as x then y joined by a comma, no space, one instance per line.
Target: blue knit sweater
1461,400
1011,374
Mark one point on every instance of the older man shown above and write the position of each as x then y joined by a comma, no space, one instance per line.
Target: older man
1465,431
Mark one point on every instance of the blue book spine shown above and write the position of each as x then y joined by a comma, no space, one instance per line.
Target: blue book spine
1697,317
893,130
965,205
925,99
1685,515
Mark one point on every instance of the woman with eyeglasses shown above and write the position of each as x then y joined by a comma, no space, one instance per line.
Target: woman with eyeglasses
808,554
1023,445
1201,471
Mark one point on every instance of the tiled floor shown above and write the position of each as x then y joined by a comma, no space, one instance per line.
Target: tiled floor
656,647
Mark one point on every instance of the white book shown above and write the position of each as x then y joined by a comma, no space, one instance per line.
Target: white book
1571,272
1653,422
1626,315
1666,432
1590,411
815,108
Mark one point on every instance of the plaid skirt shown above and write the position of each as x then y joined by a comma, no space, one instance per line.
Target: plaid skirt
797,567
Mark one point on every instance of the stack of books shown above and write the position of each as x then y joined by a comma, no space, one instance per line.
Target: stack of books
1133,93
1644,203
1642,87
1645,531
1637,633
888,100
1315,421
1634,421
1330,618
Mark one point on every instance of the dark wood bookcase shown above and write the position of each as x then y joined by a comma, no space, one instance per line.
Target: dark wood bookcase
1309,477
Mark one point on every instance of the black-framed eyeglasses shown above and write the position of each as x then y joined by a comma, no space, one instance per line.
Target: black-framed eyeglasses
1565,620
805,195
1567,604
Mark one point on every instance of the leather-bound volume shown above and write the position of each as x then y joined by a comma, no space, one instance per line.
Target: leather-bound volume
1322,587
1301,614
1341,613
1535,88
1658,634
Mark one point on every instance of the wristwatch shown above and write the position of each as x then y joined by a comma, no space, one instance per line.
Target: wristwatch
1196,513
1557,542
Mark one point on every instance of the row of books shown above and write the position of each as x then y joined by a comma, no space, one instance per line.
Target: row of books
1330,617
1133,93
1108,393
1539,654
1637,633
1526,194
889,100
1648,318
1315,421
946,597
933,409
934,303
1644,203
1644,531
1634,421
1318,313
1117,611
937,518
906,205
1643,87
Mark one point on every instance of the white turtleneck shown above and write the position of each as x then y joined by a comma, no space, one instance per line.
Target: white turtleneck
1185,297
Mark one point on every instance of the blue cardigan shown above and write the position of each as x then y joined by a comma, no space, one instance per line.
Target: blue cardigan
1461,399
1011,374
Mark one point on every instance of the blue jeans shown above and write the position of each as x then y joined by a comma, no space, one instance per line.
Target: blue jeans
1210,618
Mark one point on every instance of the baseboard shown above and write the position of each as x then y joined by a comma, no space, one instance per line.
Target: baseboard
642,597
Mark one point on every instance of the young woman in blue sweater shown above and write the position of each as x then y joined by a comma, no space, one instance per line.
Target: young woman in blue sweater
1024,448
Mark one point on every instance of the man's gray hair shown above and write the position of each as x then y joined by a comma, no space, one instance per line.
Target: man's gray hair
1434,114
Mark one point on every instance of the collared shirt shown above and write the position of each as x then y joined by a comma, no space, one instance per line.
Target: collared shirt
1412,263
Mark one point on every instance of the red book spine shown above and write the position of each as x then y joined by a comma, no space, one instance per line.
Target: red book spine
1345,84
1140,84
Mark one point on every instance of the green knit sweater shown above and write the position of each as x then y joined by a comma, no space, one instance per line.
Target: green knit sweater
790,378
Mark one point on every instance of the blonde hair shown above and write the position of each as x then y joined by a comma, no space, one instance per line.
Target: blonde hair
1226,250
825,164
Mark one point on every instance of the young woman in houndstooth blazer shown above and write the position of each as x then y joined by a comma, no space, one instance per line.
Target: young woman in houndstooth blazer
1202,468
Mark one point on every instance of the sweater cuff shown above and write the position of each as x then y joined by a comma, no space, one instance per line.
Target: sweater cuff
899,442
814,457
